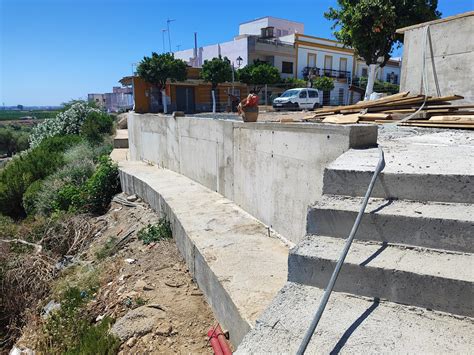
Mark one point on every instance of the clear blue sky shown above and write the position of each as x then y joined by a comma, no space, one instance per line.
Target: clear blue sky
52,51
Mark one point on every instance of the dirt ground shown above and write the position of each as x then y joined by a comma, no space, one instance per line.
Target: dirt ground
147,288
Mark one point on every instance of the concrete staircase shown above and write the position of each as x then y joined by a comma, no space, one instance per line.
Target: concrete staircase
408,281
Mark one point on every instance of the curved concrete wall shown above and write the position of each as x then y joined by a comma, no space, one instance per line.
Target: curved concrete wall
273,171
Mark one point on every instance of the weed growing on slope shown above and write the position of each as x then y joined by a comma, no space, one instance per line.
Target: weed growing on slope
156,232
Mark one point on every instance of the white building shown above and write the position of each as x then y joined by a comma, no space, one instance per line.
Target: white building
263,39
283,44
121,98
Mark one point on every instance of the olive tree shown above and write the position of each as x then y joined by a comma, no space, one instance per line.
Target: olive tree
215,71
158,69
369,27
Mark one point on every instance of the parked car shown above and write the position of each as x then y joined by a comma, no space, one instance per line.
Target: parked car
297,99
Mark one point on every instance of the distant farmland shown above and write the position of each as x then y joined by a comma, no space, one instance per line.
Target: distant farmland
13,115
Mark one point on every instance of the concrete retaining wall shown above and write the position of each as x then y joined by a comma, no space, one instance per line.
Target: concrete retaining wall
449,55
273,171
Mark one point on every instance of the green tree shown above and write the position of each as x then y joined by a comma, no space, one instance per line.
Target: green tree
369,27
258,74
215,71
290,83
159,68
323,83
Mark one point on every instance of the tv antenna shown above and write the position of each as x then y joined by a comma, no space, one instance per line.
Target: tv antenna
168,29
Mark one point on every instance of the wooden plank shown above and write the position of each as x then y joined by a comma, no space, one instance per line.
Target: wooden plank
364,104
374,116
442,122
437,125
434,106
452,118
445,98
342,119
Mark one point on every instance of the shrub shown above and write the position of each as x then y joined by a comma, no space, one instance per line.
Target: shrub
13,140
97,340
7,227
30,197
156,232
68,330
102,186
65,123
96,125
62,190
29,167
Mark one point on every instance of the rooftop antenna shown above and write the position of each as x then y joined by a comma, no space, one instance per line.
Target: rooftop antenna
163,37
177,46
168,28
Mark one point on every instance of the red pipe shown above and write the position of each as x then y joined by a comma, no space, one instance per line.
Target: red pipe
223,341
218,341
216,347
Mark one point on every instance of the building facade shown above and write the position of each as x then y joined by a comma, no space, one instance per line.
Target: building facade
120,99
190,96
283,44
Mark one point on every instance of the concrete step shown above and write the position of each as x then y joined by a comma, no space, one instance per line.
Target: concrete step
421,277
412,171
238,263
119,154
121,139
355,325
448,226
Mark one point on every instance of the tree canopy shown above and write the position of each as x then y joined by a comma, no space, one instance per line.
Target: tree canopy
369,25
323,83
258,74
158,68
217,70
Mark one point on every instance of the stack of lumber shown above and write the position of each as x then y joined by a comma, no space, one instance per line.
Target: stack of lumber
437,112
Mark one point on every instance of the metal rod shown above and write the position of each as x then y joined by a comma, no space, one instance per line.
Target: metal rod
169,34
332,281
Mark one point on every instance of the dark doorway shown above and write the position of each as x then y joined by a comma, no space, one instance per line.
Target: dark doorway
155,100
185,99
326,98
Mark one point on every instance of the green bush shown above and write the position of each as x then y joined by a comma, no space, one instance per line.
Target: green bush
13,140
156,232
102,186
96,125
30,197
97,340
61,191
68,331
8,227
29,167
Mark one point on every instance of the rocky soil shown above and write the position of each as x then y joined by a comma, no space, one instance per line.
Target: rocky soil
147,288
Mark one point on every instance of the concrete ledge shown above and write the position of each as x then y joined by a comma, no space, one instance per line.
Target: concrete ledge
354,325
237,262
447,226
121,139
420,277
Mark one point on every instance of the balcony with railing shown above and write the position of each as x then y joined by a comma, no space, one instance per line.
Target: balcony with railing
332,73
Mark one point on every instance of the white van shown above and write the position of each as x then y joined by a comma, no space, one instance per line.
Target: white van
299,98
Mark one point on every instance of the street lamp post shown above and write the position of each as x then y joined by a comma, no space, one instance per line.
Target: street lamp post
239,61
